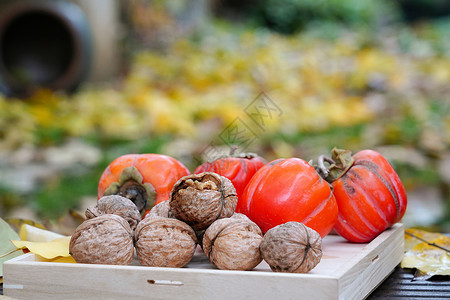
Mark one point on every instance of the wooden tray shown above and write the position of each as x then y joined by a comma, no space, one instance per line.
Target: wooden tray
346,271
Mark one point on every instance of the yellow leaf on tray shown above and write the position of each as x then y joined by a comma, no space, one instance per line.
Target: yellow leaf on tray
35,234
427,251
49,250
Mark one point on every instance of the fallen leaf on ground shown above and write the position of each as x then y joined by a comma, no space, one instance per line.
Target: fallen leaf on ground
16,223
428,252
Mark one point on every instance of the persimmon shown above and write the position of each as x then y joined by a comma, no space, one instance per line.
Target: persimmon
289,190
368,191
145,179
238,168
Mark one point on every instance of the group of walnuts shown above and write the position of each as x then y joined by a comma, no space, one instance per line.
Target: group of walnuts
200,211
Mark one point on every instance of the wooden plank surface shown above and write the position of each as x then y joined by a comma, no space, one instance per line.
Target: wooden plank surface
346,271
400,285
372,266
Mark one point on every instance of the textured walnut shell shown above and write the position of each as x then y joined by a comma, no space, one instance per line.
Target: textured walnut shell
291,247
161,209
116,205
233,244
164,242
240,216
201,233
106,239
200,199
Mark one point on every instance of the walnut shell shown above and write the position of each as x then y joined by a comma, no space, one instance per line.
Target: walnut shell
291,247
200,199
233,244
240,216
106,239
164,242
161,209
116,205
201,233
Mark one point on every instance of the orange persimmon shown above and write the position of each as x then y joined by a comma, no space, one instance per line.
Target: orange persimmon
239,168
369,193
145,179
289,190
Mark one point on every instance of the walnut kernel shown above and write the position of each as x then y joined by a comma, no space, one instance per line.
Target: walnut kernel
200,199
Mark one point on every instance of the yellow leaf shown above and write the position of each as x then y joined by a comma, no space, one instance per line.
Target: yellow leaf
59,259
49,250
416,236
427,251
35,234
16,223
67,259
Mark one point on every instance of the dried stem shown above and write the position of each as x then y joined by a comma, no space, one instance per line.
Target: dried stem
321,168
233,150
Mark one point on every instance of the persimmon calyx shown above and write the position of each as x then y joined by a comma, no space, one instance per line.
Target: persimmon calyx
131,185
340,162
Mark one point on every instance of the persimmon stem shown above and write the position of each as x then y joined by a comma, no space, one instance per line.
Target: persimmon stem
233,150
428,243
321,168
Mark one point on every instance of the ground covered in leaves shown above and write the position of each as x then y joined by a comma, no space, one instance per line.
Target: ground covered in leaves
387,91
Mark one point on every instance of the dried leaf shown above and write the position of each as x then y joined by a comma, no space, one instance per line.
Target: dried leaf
427,252
59,259
35,234
16,223
6,249
67,223
55,248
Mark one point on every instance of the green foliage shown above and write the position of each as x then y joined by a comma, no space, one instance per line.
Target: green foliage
423,9
311,143
288,16
9,199
413,176
60,194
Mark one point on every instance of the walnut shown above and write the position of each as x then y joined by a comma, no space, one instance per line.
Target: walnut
160,210
106,239
201,233
291,247
200,199
233,244
117,205
240,216
164,242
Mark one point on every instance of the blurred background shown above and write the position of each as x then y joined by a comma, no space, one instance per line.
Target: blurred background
83,82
